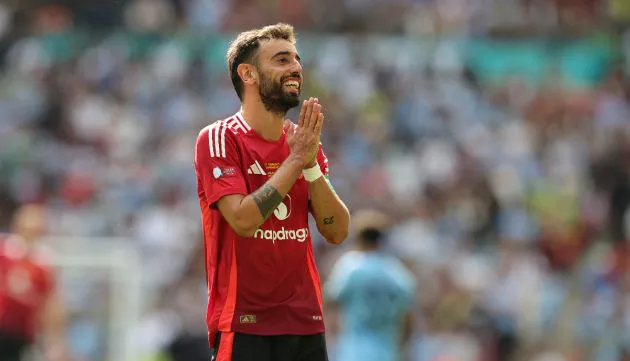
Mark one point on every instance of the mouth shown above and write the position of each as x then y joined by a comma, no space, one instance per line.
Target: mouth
292,84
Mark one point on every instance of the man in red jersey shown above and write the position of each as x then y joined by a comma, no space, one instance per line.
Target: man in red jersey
258,176
29,305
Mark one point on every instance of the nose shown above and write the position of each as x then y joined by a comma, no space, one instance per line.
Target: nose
296,67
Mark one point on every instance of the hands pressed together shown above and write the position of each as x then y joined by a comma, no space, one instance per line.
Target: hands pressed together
304,139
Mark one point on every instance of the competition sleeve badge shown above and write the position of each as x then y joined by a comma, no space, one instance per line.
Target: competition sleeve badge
217,173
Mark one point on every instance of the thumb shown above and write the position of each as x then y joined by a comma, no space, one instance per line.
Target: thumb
288,127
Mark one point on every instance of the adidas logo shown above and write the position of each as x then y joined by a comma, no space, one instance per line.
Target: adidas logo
256,169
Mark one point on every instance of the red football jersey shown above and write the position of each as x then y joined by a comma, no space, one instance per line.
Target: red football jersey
267,284
25,283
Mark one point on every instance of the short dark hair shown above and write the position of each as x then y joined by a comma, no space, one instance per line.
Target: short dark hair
371,236
370,226
244,47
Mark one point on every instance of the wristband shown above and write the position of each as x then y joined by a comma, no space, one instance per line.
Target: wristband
312,174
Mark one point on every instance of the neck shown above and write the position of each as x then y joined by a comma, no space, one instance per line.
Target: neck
26,238
20,240
367,248
267,124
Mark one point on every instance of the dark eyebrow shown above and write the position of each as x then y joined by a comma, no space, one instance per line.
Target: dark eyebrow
280,53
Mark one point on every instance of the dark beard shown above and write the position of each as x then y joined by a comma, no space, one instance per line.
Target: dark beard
274,98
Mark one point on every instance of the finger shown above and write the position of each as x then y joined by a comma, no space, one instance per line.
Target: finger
302,113
317,110
320,124
286,126
308,115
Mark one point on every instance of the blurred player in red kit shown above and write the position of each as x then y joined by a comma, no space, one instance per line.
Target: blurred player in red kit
30,309
258,177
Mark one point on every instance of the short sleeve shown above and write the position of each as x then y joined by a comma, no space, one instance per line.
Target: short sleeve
217,163
404,281
339,282
41,258
48,281
322,159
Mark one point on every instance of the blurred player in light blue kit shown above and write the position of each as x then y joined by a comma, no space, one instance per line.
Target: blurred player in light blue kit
373,293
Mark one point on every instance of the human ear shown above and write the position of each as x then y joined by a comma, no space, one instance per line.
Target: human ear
247,73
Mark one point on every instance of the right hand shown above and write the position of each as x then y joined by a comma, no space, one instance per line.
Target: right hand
303,139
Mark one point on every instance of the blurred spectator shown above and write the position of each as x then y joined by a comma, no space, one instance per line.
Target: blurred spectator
373,294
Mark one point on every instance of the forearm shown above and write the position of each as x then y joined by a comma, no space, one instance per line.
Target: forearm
54,348
53,325
407,329
406,335
331,215
257,207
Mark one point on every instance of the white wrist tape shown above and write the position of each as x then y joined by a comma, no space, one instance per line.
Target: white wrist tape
312,174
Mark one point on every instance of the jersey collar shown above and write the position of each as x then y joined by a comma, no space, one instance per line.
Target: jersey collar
241,119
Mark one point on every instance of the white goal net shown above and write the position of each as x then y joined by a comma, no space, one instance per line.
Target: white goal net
100,282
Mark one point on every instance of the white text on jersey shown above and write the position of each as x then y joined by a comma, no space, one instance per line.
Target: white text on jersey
282,234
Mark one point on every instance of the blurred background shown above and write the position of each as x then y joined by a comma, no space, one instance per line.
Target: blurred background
495,132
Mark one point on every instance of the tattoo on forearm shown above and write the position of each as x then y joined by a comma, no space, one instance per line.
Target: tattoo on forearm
267,198
329,220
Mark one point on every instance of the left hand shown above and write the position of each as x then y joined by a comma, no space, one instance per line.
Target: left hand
315,115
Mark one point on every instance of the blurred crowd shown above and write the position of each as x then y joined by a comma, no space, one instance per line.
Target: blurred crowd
497,133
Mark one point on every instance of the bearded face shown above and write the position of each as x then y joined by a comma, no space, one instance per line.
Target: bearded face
279,95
